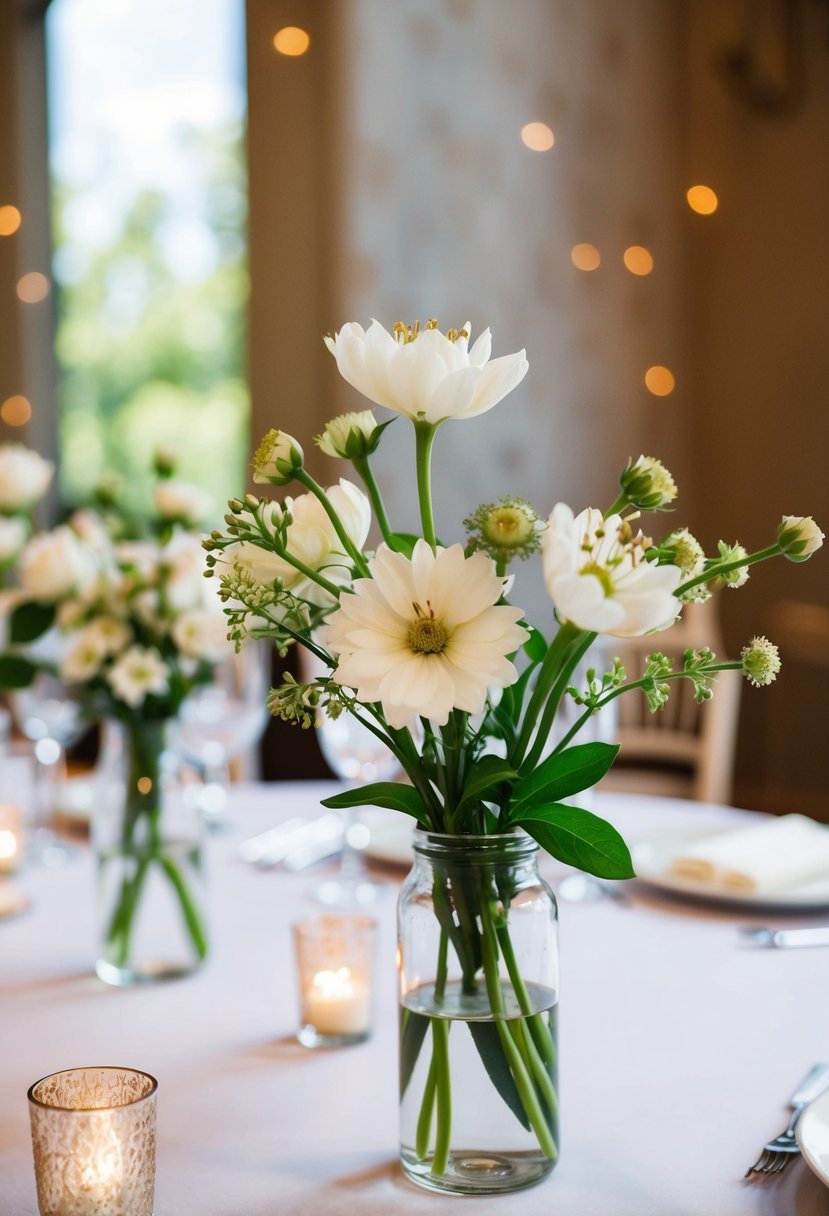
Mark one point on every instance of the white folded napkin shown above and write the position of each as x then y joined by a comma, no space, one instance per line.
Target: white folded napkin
774,855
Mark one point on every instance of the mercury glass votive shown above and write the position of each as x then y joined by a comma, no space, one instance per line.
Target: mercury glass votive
335,962
93,1137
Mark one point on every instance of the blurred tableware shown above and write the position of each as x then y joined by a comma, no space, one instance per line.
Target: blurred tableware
18,793
358,757
653,857
586,889
335,965
50,717
221,720
777,1154
13,899
812,1132
93,1138
785,939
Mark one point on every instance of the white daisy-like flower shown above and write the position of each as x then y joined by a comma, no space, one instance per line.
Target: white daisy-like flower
24,477
136,673
83,658
598,578
424,374
201,633
427,635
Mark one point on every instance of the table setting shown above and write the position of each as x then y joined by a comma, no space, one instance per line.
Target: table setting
595,1000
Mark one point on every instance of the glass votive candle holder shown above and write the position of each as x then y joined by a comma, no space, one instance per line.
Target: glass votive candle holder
335,964
93,1137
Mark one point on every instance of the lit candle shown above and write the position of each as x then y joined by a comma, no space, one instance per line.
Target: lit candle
10,838
93,1137
334,961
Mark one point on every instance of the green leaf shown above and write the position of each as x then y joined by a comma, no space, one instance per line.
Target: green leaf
486,775
15,671
388,794
403,542
536,644
488,1042
564,774
30,621
413,1032
580,839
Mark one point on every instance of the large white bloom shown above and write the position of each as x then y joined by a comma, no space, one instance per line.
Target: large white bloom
56,564
137,672
313,540
24,477
598,578
426,375
427,635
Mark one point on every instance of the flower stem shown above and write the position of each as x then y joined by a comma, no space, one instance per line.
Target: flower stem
303,476
726,567
361,464
440,1059
576,654
424,437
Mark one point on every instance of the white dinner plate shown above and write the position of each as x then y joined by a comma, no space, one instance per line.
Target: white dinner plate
812,1133
390,841
652,857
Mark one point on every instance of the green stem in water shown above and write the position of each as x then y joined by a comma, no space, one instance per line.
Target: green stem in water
427,1106
440,1059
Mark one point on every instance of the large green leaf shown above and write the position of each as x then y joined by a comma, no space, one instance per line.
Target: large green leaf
488,1041
30,621
388,794
536,644
15,671
485,776
580,839
403,542
563,774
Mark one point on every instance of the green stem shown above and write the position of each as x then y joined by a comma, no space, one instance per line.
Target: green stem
547,674
440,1059
575,655
361,464
188,908
714,571
427,1106
540,1033
424,437
303,476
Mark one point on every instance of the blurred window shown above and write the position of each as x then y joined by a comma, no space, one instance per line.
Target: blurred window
147,111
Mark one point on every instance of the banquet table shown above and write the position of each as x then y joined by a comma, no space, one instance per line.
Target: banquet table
680,1045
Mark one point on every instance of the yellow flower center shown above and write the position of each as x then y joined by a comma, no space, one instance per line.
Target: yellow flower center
426,635
507,527
407,333
601,574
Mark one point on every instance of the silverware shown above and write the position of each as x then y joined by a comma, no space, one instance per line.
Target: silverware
777,1154
786,939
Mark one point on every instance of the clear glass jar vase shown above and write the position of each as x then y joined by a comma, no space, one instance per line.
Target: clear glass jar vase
147,835
478,958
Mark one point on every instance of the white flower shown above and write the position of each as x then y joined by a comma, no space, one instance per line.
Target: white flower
425,374
201,633
108,632
348,435
427,635
181,563
799,537
181,500
647,484
277,458
56,564
761,661
313,541
136,673
24,477
597,577
13,533
83,658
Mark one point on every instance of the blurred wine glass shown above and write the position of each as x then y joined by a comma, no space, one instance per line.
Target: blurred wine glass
50,717
221,720
358,757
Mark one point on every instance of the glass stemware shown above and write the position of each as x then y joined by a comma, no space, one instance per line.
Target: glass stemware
219,721
50,717
358,757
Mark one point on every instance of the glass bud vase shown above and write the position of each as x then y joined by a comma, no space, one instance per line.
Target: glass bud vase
478,958
147,836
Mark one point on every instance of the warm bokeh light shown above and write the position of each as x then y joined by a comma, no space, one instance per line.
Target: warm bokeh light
10,219
15,411
291,40
585,257
659,381
703,200
32,287
638,259
537,136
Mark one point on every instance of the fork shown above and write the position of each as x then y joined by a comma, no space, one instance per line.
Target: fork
777,1154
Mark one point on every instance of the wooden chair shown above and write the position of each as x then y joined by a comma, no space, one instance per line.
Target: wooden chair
684,750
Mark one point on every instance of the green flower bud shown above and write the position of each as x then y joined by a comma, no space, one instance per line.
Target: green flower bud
277,459
647,484
798,537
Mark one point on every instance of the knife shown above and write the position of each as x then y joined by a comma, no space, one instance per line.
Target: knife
786,939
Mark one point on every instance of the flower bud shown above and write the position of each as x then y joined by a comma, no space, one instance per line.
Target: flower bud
647,484
277,459
798,537
350,436
761,661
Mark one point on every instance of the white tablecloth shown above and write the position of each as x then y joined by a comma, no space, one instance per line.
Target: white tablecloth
679,1048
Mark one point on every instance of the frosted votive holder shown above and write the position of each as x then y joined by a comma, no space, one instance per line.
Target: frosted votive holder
93,1137
335,962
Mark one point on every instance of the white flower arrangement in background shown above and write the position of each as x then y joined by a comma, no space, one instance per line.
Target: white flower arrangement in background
24,479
